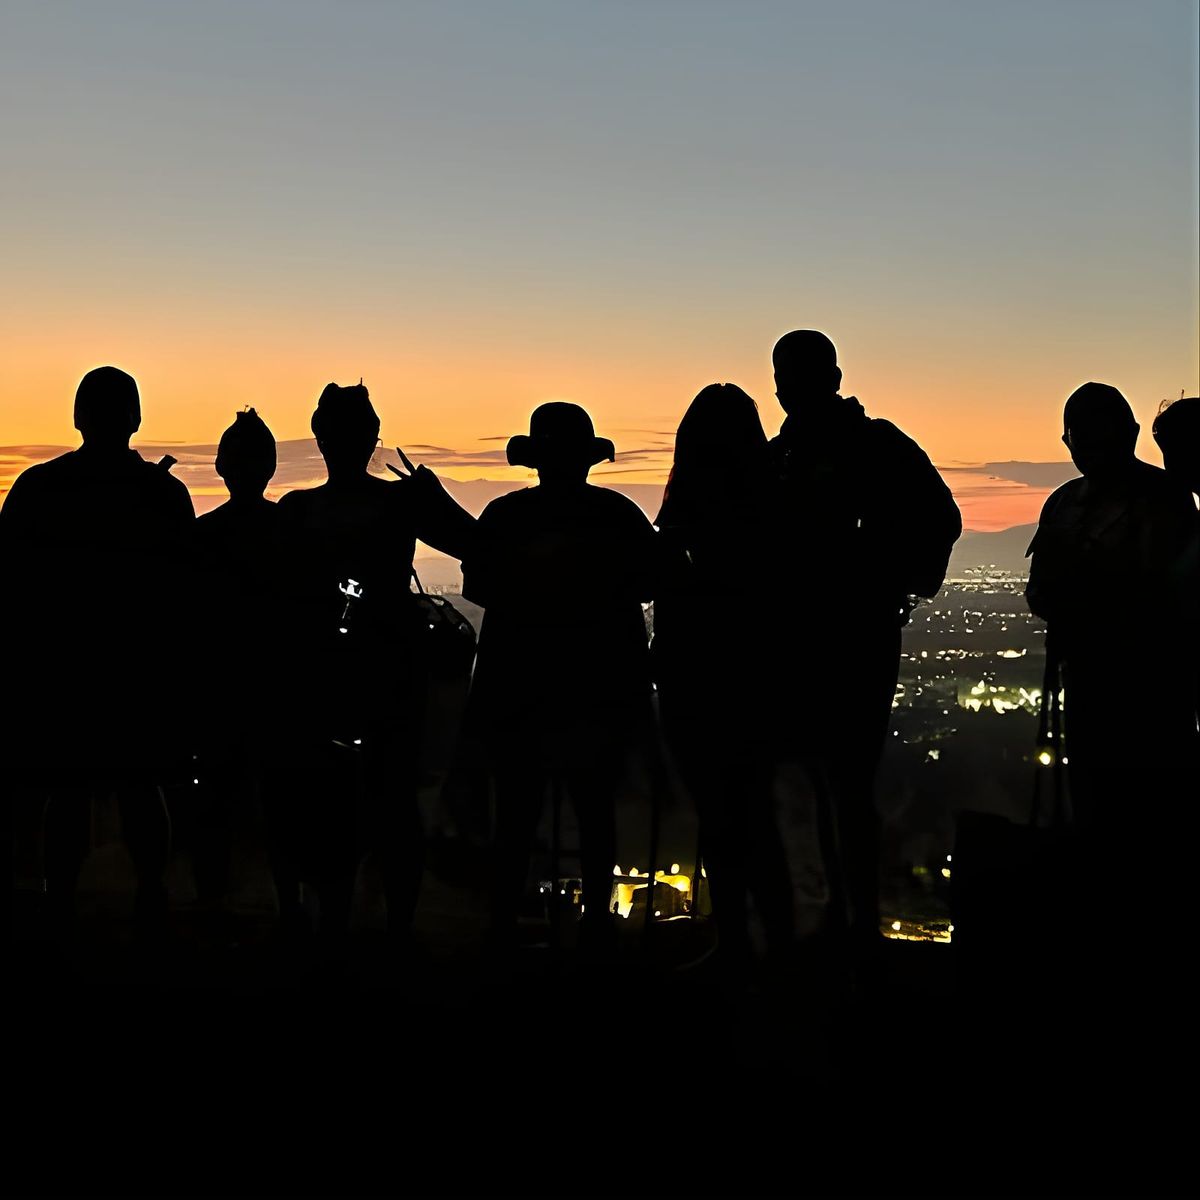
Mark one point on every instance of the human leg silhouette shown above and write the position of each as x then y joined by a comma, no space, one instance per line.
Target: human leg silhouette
768,873
281,790
220,788
520,795
593,793
66,839
391,777
724,834
146,828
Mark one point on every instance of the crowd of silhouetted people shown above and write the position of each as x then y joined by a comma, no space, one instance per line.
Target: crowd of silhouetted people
279,650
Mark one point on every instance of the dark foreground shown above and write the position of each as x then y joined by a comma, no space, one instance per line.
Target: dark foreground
221,1059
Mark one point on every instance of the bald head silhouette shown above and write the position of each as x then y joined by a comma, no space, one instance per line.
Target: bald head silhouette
108,409
1100,430
806,370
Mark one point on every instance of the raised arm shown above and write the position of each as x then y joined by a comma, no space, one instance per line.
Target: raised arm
440,521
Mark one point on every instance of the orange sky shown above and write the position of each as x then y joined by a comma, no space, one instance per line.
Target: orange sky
464,395
983,205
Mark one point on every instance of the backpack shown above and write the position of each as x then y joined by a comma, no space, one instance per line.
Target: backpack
450,644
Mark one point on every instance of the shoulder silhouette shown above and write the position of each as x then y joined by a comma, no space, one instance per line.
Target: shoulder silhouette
101,536
356,673
714,668
1113,572
866,526
874,507
1121,524
1176,429
562,680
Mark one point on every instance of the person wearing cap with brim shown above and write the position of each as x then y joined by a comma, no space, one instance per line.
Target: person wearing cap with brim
562,683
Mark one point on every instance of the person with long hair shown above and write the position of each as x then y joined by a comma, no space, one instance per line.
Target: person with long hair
712,664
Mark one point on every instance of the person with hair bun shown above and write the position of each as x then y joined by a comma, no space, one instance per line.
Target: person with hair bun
354,670
236,568
1176,430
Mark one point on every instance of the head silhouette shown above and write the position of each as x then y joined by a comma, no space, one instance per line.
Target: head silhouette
806,370
1099,429
346,427
561,444
1176,429
246,456
108,409
720,454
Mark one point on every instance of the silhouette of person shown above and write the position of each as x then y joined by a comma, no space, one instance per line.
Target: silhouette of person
98,536
562,681
1108,576
1176,429
712,666
866,526
357,665
237,566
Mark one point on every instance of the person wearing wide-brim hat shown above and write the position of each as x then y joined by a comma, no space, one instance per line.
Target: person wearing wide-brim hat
562,681
560,435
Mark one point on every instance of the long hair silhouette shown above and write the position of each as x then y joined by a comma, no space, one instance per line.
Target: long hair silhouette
721,459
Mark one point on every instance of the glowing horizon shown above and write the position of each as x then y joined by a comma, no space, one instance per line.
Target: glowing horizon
475,213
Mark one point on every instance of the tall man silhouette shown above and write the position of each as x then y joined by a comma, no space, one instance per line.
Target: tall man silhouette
94,540
866,526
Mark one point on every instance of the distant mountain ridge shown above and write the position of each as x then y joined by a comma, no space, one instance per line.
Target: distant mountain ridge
1005,549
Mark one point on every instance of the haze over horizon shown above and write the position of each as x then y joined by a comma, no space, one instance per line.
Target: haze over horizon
992,496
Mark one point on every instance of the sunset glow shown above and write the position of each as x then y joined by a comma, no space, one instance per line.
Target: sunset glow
475,220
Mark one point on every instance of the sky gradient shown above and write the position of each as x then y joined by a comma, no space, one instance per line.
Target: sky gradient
479,207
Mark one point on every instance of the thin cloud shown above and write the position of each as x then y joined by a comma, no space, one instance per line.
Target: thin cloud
988,492
1032,474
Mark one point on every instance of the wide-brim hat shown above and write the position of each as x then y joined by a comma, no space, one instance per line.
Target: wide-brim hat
560,434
